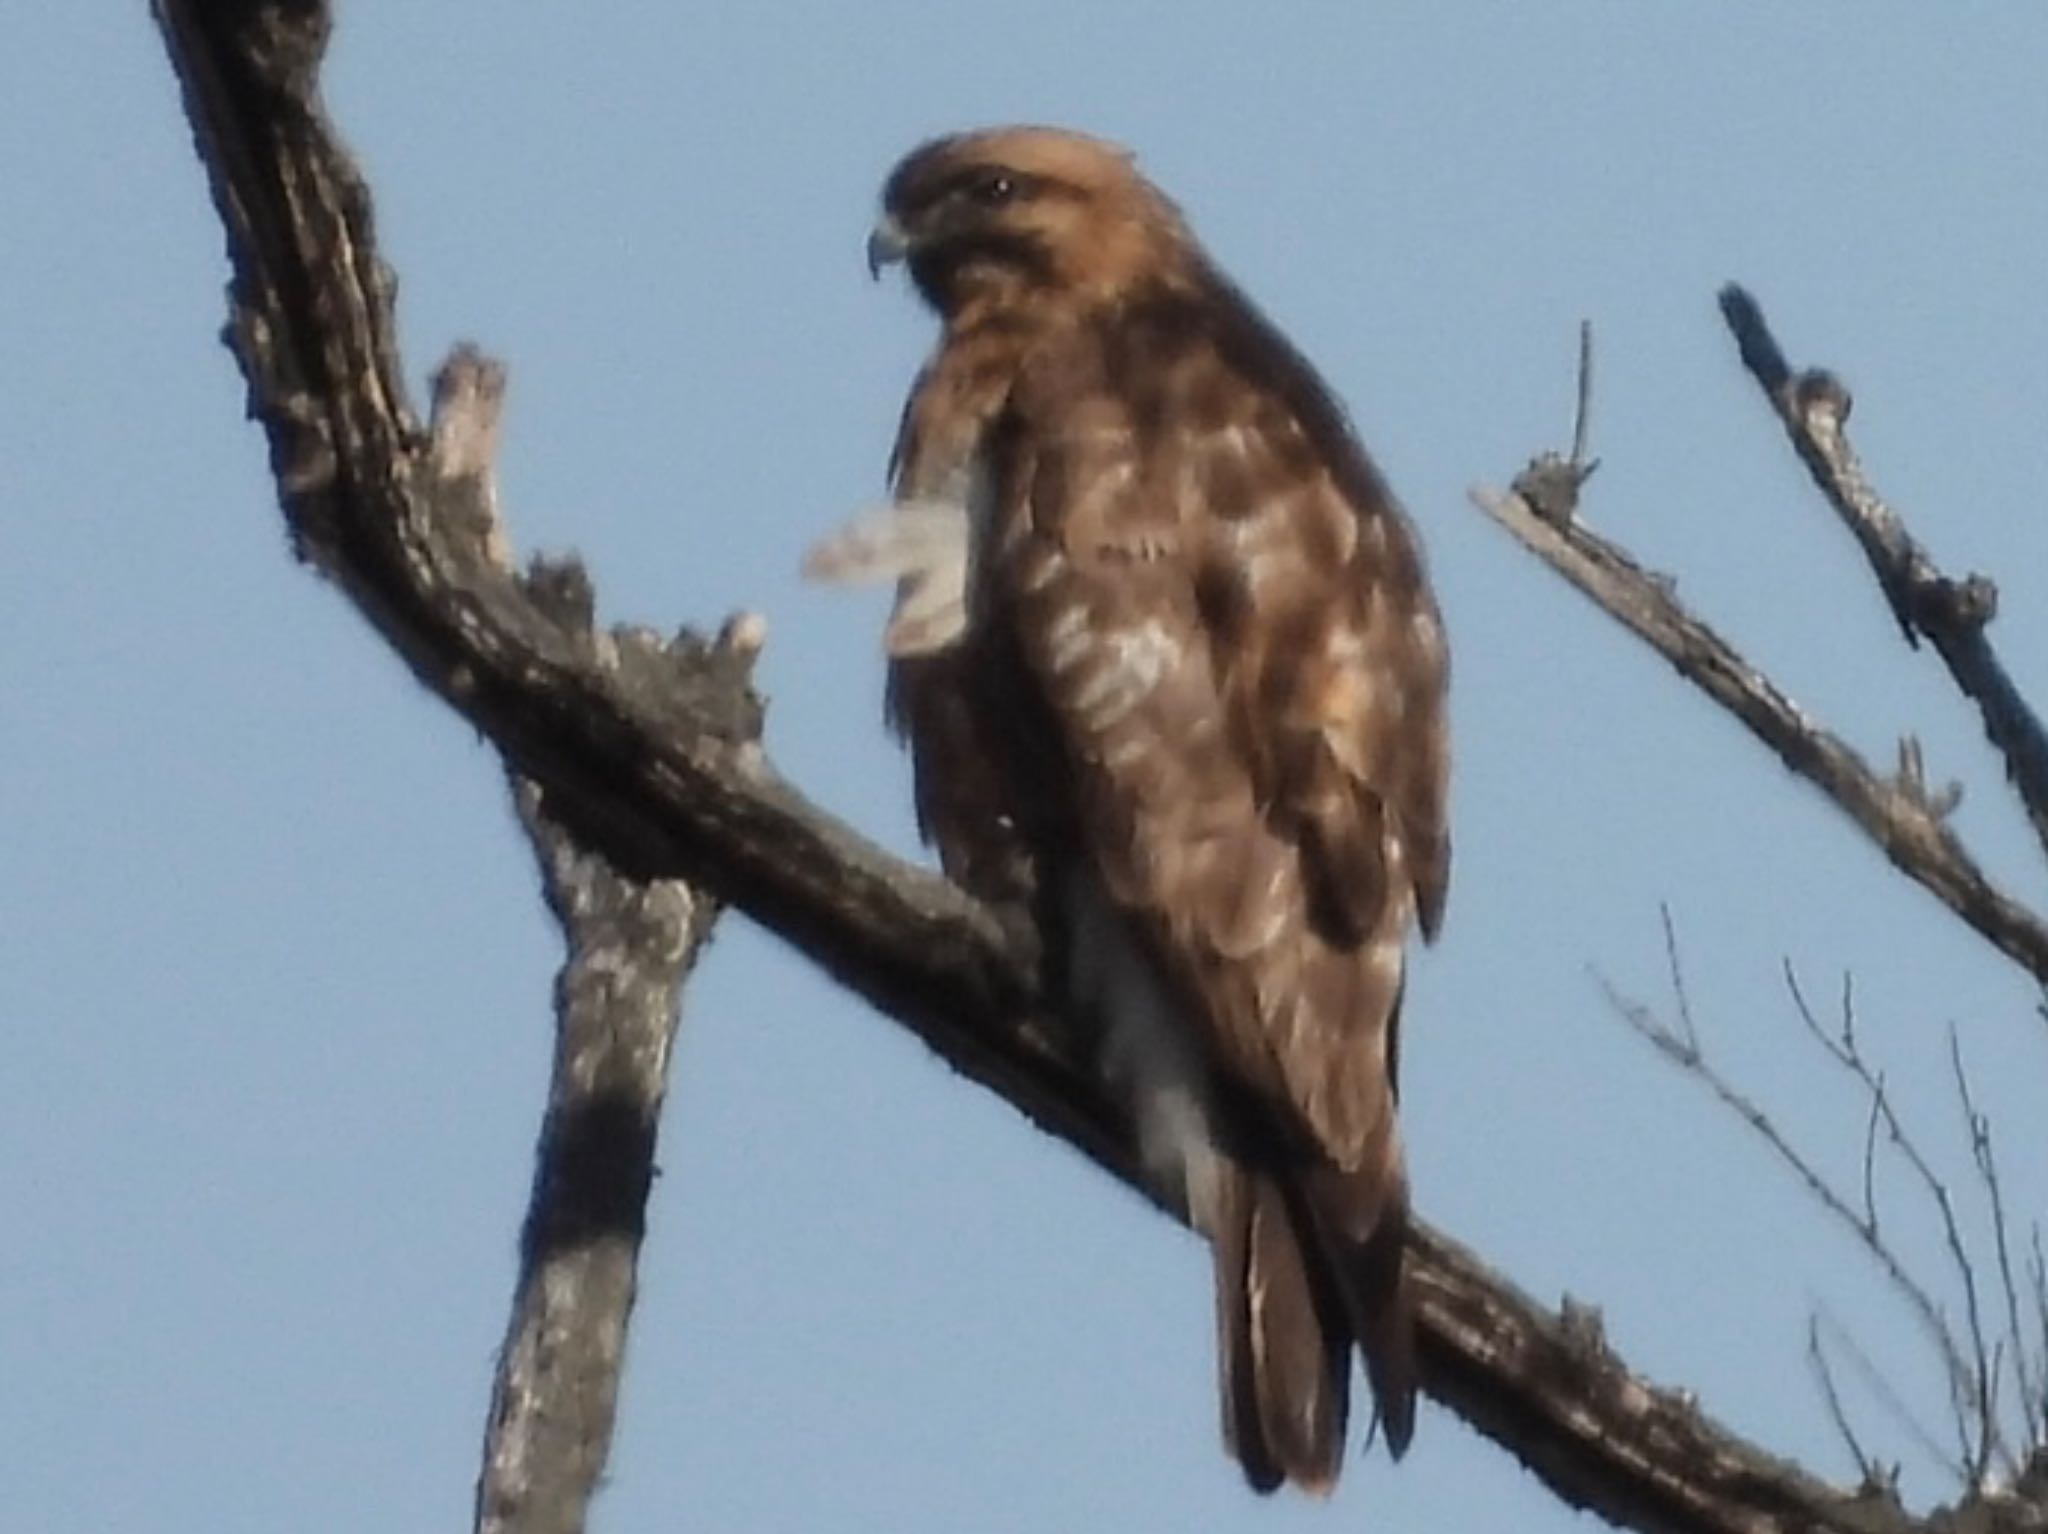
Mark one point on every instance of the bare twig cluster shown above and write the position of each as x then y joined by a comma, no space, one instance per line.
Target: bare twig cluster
1993,1364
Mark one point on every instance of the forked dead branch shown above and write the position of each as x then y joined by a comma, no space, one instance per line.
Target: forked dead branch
1907,819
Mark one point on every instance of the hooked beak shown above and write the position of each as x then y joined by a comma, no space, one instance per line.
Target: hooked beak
888,243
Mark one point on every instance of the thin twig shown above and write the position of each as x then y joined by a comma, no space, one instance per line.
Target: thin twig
1870,1123
2037,1281
2029,1386
1875,1382
1681,996
1582,413
1817,1359
1968,1373
1550,484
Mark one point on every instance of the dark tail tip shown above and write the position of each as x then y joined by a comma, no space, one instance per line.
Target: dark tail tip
1360,1219
1387,1338
1396,1408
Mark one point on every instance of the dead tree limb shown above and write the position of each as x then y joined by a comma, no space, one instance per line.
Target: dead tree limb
1900,813
631,944
1952,615
1905,817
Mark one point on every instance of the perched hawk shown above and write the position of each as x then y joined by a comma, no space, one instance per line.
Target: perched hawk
1168,663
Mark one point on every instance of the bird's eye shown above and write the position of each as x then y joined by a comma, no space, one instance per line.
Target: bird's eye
993,189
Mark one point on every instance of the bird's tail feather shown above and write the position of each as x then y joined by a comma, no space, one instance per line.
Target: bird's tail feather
1284,1342
1359,1221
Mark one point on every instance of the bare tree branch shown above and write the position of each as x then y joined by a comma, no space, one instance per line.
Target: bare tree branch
1814,406
1905,820
1546,1386
643,753
631,944
1903,815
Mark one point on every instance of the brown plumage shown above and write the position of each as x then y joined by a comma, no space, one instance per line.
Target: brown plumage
1165,653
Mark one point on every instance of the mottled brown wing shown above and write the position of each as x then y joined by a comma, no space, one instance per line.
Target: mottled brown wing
1227,617
953,700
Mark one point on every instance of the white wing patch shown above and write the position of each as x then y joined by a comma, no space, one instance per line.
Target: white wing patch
925,547
930,546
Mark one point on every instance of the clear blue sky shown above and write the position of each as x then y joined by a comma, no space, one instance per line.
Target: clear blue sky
273,975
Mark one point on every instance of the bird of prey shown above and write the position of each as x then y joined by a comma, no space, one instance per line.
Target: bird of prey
1167,659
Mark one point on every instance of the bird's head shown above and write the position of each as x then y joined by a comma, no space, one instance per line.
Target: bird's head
1007,215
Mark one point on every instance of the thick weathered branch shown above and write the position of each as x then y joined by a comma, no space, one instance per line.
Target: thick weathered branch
1900,814
651,766
1546,1385
631,943
647,757
1953,615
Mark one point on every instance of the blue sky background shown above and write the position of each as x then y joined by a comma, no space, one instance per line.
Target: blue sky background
273,975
